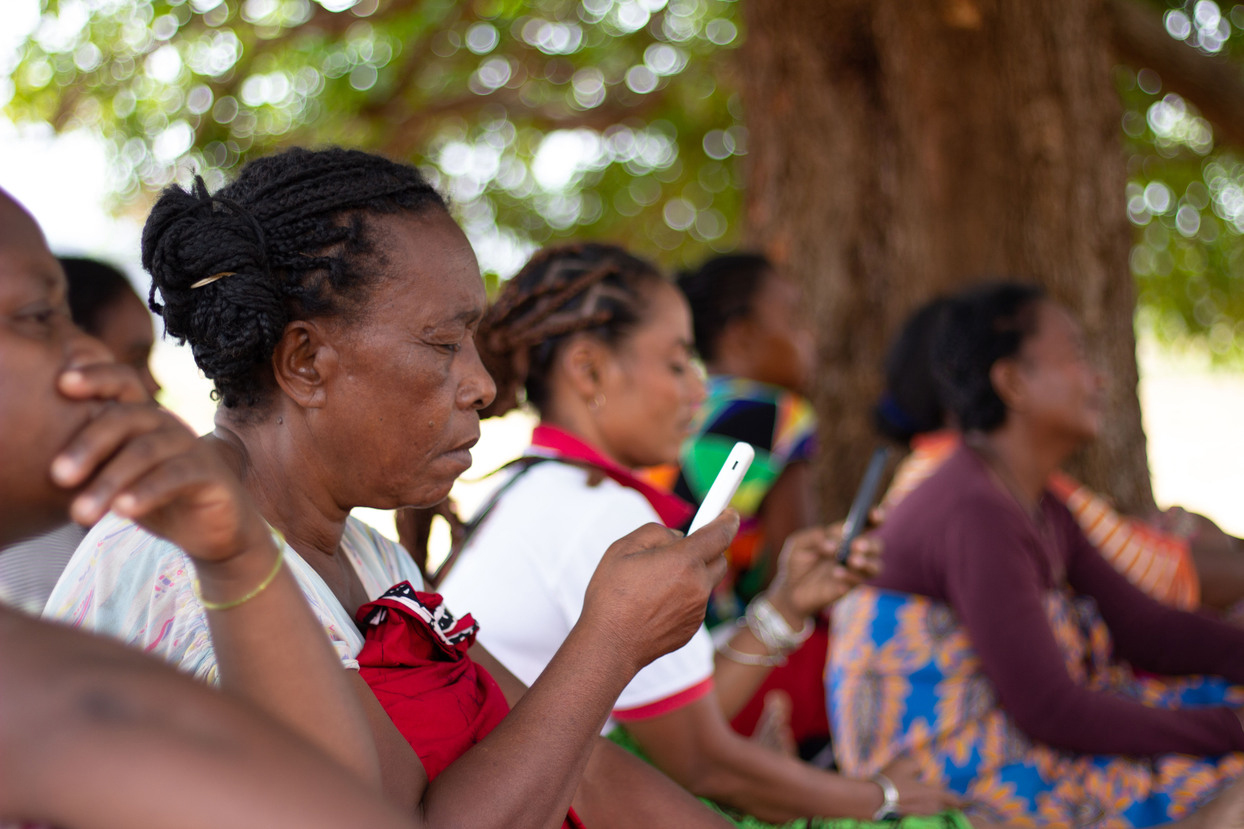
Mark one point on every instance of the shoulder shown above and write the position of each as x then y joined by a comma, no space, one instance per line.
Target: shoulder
574,495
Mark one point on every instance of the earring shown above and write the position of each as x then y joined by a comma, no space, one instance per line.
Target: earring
597,402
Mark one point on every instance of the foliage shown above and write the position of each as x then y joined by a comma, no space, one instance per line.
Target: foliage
606,118
560,118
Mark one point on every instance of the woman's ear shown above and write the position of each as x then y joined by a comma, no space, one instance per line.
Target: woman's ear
583,362
303,361
1008,383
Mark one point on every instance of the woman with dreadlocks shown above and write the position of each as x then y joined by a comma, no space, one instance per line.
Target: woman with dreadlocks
601,344
332,300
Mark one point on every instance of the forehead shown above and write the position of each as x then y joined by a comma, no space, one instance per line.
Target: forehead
428,265
24,254
1055,327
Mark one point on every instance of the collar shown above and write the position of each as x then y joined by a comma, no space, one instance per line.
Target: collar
674,511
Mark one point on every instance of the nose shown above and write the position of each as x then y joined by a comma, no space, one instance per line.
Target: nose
478,389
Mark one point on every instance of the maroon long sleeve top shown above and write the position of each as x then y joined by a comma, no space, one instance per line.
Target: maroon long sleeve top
960,538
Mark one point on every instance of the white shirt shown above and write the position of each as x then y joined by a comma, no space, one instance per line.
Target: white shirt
524,572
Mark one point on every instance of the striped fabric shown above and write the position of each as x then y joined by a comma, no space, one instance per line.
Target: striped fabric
29,569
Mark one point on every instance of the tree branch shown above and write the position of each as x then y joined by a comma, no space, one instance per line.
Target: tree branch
1214,85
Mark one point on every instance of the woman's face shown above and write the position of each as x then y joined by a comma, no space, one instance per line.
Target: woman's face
125,327
403,409
38,341
783,348
1062,391
650,387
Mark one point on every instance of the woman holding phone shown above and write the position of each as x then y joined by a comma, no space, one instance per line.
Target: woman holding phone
601,344
332,300
999,649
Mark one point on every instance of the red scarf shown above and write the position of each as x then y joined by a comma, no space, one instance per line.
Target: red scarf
674,511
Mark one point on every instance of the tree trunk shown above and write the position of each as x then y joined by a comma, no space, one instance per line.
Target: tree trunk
898,150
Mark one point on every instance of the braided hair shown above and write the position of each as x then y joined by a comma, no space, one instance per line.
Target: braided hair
596,288
720,291
288,240
977,329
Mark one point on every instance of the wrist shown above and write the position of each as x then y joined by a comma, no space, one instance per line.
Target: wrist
220,583
779,597
772,629
889,797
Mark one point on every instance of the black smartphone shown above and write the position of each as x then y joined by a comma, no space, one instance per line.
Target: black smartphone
865,497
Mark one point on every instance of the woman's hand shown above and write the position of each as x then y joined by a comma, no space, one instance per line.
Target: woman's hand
650,590
916,797
143,463
809,577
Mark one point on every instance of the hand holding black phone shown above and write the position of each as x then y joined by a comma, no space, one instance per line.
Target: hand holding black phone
865,497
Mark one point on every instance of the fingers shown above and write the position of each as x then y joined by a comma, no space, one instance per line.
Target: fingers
112,451
103,381
711,540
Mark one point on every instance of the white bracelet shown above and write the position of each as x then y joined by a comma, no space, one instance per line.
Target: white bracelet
753,659
768,625
889,794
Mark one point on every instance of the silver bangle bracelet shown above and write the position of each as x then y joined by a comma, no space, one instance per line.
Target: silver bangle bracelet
889,794
756,659
768,625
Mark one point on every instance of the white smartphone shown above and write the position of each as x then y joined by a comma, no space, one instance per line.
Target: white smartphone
724,486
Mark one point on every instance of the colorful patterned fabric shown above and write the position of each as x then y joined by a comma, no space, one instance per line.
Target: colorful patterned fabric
128,584
904,680
1158,563
781,427
946,820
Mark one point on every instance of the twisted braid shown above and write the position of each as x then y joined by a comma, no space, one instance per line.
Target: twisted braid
563,290
291,233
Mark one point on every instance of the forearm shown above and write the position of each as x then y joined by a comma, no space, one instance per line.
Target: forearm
273,652
696,747
621,790
738,676
533,761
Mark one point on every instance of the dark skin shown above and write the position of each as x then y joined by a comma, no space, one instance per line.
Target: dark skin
400,384
650,395
108,447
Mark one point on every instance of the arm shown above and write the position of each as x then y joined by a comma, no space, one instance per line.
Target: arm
996,584
94,732
695,746
1151,635
646,598
809,580
144,464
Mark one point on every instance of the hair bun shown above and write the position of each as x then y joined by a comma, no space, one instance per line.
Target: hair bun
234,322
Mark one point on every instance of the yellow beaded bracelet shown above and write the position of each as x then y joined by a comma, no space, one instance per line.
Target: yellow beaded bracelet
261,587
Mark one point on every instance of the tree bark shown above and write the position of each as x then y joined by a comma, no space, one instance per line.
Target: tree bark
899,150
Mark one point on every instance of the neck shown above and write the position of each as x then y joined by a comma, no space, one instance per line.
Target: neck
1028,463
580,421
286,483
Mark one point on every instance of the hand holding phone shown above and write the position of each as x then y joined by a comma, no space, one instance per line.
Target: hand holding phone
865,497
724,485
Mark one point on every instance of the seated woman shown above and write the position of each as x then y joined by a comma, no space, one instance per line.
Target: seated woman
103,304
90,729
332,300
756,342
1181,570
601,343
991,649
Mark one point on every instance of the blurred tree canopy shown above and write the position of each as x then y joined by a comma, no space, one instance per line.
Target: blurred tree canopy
613,119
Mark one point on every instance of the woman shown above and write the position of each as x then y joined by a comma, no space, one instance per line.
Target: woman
79,435
103,304
752,331
989,649
1193,570
332,300
601,344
